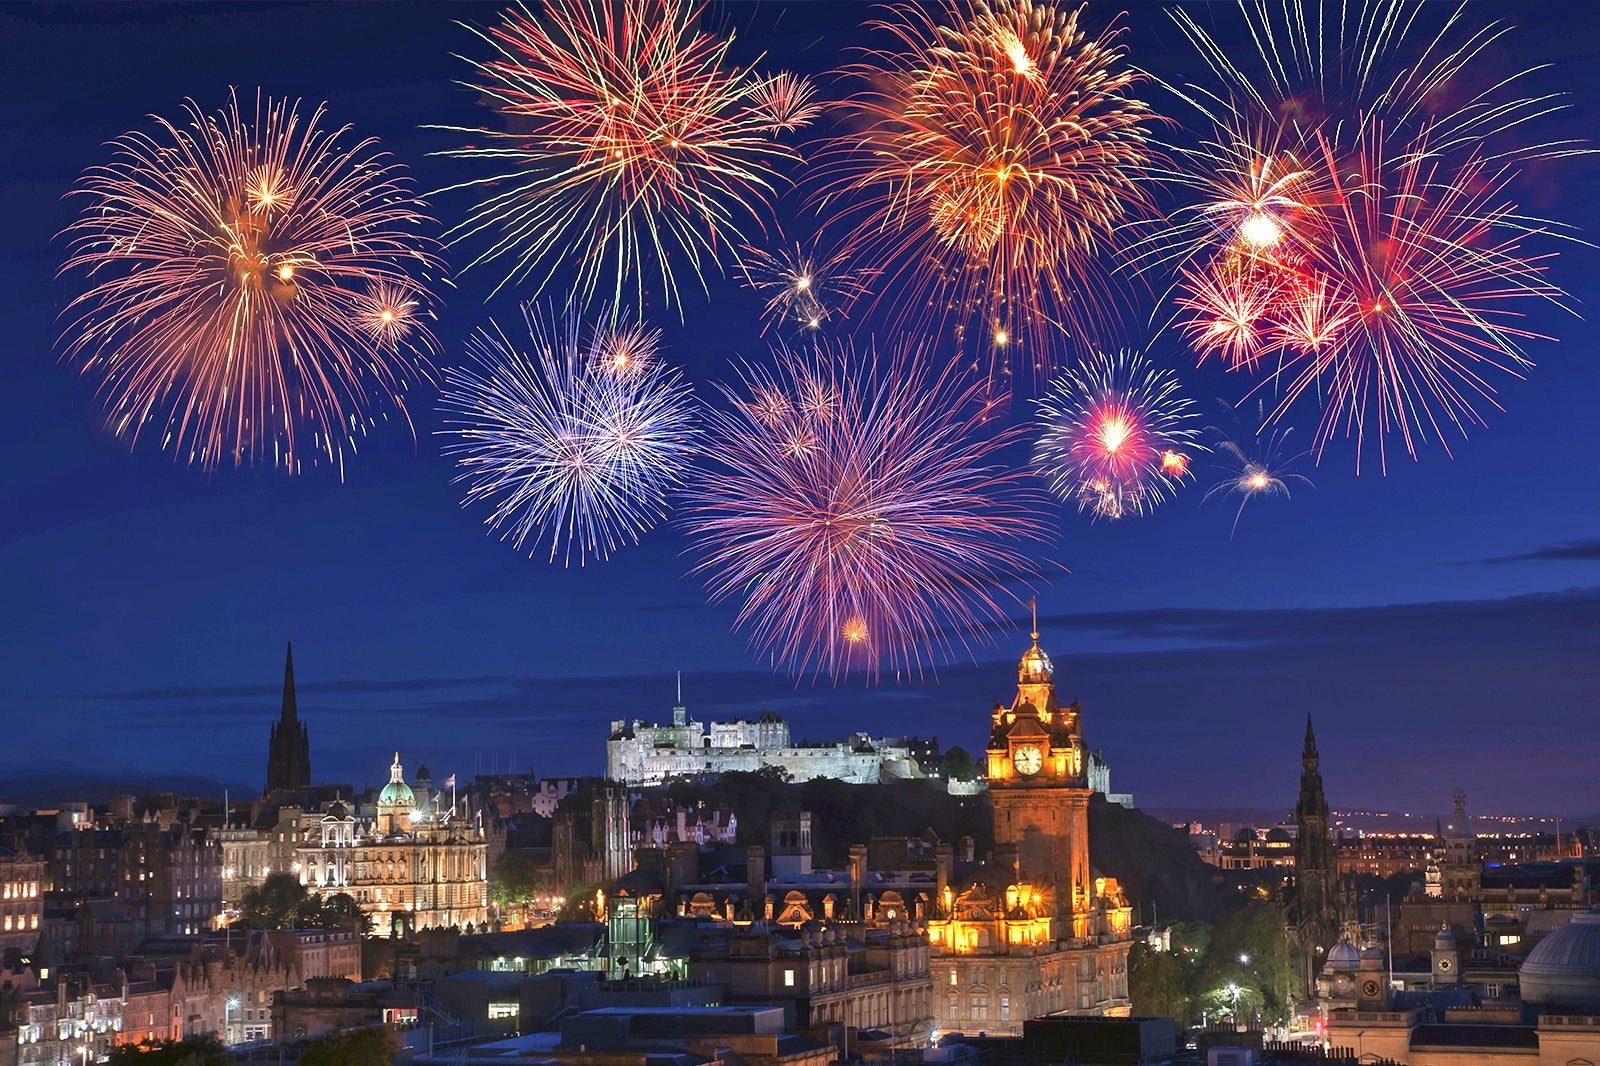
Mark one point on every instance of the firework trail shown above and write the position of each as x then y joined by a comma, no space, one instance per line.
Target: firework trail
257,287
804,288
1355,233
1117,435
856,507
574,439
999,147
632,150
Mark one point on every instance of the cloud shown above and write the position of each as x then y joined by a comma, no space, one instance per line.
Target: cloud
1583,551
1196,706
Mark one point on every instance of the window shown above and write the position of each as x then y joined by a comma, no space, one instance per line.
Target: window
1005,1008
788,978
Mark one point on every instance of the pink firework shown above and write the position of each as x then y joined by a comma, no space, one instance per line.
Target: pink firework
1117,435
856,507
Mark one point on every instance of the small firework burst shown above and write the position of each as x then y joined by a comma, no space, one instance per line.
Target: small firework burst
856,508
785,101
569,444
1258,470
1117,435
257,287
804,288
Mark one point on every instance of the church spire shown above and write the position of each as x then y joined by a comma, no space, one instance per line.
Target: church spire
290,712
1308,755
289,745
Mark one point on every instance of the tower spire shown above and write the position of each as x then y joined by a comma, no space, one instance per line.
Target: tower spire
1310,751
1033,605
289,745
290,711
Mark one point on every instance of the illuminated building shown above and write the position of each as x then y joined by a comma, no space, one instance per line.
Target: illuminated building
416,864
1032,931
21,906
641,754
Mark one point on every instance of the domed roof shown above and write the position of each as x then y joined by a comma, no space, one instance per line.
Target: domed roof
1343,956
337,811
397,793
1035,666
1564,967
1278,835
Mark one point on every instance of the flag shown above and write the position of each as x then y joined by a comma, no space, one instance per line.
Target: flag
450,782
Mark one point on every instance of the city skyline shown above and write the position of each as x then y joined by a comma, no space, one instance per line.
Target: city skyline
1438,623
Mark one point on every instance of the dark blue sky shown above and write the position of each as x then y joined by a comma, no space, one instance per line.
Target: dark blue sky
1442,623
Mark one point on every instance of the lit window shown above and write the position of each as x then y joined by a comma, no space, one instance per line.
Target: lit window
788,975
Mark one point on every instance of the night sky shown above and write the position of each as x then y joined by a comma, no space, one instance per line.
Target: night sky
1441,623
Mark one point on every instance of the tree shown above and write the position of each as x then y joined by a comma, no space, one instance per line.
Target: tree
957,764
1158,983
340,908
1248,967
196,1051
514,880
277,903
351,1047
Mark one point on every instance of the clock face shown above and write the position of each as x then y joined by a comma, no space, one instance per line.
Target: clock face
1028,759
1444,965
1370,989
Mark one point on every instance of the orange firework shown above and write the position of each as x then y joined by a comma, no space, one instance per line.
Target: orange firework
632,149
257,290
999,147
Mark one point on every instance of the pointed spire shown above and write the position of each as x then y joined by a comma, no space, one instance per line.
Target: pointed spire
290,711
1311,739
1033,605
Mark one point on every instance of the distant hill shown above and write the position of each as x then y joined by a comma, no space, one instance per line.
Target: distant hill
1153,862
48,790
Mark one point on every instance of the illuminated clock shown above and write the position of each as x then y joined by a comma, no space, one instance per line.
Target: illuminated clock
1028,759
1370,989
1444,965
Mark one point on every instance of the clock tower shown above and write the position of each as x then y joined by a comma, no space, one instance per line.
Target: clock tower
1039,790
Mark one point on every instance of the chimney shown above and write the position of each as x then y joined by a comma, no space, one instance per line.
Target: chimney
755,857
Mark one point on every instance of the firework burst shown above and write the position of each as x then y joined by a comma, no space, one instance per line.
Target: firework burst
804,289
576,440
1000,146
1356,233
257,287
632,149
1117,435
856,507
1258,471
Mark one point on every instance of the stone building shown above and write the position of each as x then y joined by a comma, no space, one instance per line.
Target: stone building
1314,913
1032,931
165,879
640,753
415,864
21,902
